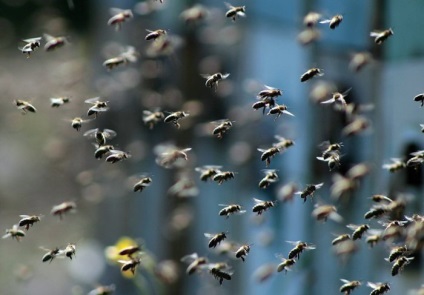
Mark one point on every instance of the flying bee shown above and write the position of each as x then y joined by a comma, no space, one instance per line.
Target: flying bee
338,98
243,251
349,286
373,238
333,160
30,46
102,290
381,36
128,54
153,35
416,159
299,247
100,136
269,93
195,262
213,80
397,252
268,154
220,274
282,143
14,233
54,42
279,110
170,156
119,17
152,118
63,208
222,127
420,97
194,14
69,250
29,220
375,212
116,156
57,102
261,206
308,36
208,171
130,251
328,148
77,122
358,230
323,212
381,198
230,209
102,150
271,176
309,191
260,105
396,165
215,239
311,19
50,255
130,264
358,125
311,73
175,117
220,177
339,239
98,106
359,60
285,265
378,288
142,183
333,22
25,106
235,11
287,192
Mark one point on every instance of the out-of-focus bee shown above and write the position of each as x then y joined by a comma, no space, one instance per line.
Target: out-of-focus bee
142,183
339,239
355,127
116,156
299,247
175,117
311,19
126,56
338,98
102,290
243,251
14,233
333,160
215,239
25,106
323,212
287,192
358,171
235,11
342,186
311,73
381,36
420,97
51,254
69,250
130,264
220,177
56,102
271,176
393,223
152,118
282,143
397,252
194,14
285,265
165,46
358,230
168,158
102,150
396,165
222,127
359,60
308,36
54,42
208,171
378,288
98,106
374,238
268,154
130,251
220,274
309,191
349,286
213,80
153,35
195,262
375,212
416,159
328,147
119,17
63,208
261,206
230,210
100,136
333,22
264,272
77,122
29,220
279,110
30,46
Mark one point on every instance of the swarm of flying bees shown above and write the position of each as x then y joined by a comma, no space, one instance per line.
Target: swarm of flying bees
384,223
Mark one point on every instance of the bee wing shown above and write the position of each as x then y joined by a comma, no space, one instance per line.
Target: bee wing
229,6
345,281
335,217
417,153
206,76
294,243
373,285
257,200
325,21
375,34
115,11
288,113
269,87
225,76
103,109
92,100
352,226
185,150
48,37
189,258
208,235
109,133
91,132
331,100
241,13
124,261
261,150
31,40
24,216
224,205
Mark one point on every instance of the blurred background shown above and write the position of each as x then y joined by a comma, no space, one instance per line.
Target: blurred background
45,162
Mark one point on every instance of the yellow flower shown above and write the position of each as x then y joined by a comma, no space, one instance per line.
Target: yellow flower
112,252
